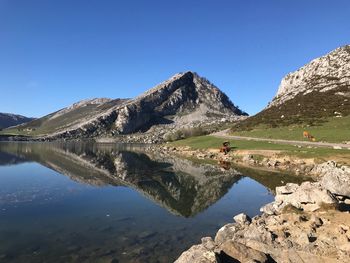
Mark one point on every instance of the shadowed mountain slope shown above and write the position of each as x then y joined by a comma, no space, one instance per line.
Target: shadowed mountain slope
8,120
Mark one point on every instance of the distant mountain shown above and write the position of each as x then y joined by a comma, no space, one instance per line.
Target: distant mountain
69,118
318,90
8,120
185,98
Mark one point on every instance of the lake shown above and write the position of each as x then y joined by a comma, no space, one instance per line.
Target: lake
84,202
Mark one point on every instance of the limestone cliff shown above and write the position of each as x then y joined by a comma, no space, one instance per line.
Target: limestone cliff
315,92
329,72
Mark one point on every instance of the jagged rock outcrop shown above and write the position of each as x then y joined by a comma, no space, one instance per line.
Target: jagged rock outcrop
8,120
307,197
183,99
335,178
329,72
318,90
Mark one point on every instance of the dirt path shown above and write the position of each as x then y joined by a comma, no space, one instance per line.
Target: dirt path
224,134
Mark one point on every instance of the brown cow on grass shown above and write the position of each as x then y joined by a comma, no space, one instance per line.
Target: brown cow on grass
225,147
306,134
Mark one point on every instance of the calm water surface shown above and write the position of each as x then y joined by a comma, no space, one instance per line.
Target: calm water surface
89,203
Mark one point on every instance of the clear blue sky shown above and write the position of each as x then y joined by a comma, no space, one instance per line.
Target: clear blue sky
54,53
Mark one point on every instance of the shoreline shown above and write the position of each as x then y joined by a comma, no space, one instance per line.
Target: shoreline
265,160
297,227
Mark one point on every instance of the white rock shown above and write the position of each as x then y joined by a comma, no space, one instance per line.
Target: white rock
287,189
242,219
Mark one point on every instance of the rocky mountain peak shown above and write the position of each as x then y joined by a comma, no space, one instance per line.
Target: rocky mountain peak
186,97
194,90
182,101
322,74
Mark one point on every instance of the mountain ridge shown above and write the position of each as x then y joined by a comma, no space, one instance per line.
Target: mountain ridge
10,119
182,99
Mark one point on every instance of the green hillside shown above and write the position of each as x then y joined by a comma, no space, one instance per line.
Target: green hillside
319,153
311,109
335,129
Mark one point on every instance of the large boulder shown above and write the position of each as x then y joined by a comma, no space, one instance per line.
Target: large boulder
197,254
226,233
337,181
242,219
241,252
308,197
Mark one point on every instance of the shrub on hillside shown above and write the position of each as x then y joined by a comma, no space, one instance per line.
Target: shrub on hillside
184,133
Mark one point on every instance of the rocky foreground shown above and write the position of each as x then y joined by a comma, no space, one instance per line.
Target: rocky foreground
306,223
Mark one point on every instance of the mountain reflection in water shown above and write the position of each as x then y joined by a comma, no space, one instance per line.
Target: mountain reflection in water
200,197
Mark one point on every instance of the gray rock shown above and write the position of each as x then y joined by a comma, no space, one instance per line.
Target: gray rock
273,163
307,193
225,233
260,234
287,189
242,219
208,243
302,239
310,207
316,221
248,159
337,181
197,254
272,208
241,252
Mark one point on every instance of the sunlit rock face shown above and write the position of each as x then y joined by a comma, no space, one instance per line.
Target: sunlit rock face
315,92
186,97
329,72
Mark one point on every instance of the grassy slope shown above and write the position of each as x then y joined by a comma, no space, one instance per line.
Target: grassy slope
313,108
335,130
206,142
